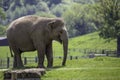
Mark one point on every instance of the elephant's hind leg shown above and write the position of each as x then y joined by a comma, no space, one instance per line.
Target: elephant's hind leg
17,63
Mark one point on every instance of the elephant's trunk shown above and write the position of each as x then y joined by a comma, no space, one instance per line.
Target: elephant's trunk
65,47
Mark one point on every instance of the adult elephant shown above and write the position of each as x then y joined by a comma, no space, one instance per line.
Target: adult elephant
30,33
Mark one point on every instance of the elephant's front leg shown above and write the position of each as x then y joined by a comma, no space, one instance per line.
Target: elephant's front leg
49,55
41,56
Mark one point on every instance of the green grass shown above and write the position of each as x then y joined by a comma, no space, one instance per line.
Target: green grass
1,75
99,68
88,74
91,41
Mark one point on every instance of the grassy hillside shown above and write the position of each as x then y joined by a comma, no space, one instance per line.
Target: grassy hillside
89,41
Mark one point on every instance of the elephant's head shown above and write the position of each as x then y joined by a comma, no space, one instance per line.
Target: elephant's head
59,33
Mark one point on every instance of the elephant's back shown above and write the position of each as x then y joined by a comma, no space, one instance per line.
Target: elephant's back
23,22
18,33
21,26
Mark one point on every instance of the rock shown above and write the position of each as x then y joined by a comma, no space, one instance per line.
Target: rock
24,74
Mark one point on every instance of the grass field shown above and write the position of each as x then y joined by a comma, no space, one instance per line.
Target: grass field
99,68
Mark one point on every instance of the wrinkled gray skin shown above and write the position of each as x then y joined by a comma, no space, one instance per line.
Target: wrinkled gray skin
30,33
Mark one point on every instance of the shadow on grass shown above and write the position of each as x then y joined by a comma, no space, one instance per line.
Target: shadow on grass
54,68
25,67
47,69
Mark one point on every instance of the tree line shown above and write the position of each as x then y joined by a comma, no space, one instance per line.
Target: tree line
76,23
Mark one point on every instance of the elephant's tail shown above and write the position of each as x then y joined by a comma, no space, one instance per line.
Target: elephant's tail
11,51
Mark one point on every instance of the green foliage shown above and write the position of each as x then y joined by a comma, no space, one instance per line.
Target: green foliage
85,1
54,2
110,12
78,19
59,9
42,6
2,14
2,30
44,14
81,16
78,14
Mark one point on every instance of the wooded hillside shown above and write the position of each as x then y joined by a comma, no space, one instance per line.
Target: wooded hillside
81,16
75,12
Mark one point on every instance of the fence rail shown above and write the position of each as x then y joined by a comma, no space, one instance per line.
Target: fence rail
8,62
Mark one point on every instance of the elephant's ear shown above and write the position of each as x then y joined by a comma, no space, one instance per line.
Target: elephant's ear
51,24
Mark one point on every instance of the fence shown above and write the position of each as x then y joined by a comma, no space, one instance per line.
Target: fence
87,53
8,62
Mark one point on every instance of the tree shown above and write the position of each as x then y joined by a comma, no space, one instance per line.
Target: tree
109,10
44,14
30,2
84,1
54,2
2,14
59,9
2,30
78,18
42,6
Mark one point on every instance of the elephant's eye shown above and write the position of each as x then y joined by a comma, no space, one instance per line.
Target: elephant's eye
61,32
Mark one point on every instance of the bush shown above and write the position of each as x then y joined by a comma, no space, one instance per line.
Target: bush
44,14
2,30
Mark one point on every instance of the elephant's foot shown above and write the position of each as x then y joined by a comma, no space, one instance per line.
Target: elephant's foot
18,65
49,66
41,66
50,63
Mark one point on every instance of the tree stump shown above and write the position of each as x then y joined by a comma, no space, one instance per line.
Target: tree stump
24,74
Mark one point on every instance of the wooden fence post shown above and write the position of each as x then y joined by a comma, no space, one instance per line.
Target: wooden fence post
36,59
70,57
103,51
60,57
8,62
85,51
25,60
76,57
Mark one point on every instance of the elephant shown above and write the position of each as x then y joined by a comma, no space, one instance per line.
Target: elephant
30,33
